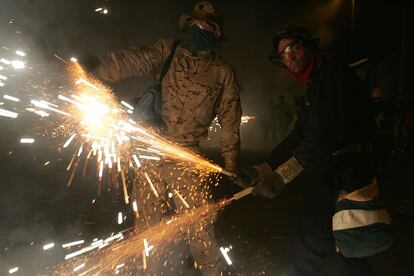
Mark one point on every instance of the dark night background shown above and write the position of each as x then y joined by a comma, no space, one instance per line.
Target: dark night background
36,206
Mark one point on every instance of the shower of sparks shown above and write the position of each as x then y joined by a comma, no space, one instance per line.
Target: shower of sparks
97,128
225,251
48,246
103,261
27,140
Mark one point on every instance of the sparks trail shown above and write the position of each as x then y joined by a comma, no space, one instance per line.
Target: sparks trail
102,129
139,250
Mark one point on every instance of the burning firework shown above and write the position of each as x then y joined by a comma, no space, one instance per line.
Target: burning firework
98,131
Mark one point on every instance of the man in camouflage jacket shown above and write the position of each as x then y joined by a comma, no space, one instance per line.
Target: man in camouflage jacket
198,85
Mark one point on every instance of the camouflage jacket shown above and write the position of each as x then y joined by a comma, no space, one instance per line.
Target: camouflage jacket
194,90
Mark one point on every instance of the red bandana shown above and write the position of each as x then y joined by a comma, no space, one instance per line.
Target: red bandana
305,74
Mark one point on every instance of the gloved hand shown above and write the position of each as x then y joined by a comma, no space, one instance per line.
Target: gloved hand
266,182
271,183
245,178
268,185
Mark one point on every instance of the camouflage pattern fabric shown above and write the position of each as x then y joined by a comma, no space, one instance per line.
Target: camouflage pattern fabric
194,90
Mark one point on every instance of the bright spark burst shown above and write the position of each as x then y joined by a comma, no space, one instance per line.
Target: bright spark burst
98,128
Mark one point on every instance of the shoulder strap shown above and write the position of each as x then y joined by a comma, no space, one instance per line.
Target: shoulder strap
168,61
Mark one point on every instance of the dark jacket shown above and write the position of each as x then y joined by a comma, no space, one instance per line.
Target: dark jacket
336,115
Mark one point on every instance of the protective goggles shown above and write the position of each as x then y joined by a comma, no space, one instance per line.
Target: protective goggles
277,57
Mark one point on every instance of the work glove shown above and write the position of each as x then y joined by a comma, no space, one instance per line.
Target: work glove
266,182
245,178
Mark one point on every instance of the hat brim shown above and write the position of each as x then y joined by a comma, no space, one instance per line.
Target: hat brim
185,20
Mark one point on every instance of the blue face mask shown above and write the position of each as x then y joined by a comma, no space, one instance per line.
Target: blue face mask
199,40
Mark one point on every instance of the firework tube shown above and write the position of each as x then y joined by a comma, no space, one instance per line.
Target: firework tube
243,193
228,173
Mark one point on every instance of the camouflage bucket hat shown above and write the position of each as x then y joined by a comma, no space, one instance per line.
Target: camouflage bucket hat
205,11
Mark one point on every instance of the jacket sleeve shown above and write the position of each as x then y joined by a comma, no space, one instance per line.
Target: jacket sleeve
133,62
229,116
286,148
320,137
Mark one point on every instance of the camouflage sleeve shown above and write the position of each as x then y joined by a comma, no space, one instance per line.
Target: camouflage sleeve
229,116
133,62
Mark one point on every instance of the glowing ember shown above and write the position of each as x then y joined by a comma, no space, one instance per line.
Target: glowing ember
13,270
27,140
9,114
79,267
48,246
20,53
225,251
70,244
11,98
120,218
